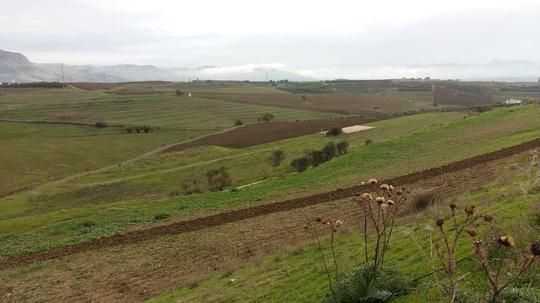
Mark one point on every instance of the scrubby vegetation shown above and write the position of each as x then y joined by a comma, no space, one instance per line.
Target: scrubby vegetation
267,117
218,179
334,131
277,157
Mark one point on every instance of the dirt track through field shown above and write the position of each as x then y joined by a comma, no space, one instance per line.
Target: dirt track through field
138,236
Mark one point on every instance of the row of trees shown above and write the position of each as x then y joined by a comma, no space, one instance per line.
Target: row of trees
139,129
218,179
317,157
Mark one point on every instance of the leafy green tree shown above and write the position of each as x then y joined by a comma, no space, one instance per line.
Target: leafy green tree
300,164
334,131
329,151
266,117
277,157
342,147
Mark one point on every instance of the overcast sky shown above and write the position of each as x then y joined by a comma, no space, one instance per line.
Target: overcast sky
317,38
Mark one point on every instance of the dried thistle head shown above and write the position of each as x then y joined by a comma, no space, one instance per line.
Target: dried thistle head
506,241
372,181
338,223
535,249
453,206
384,187
488,218
319,219
439,222
391,187
362,183
379,200
367,197
472,232
471,210
390,202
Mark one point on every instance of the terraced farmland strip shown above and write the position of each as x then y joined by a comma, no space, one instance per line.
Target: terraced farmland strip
251,212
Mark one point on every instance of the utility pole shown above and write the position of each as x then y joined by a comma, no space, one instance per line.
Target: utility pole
266,76
62,72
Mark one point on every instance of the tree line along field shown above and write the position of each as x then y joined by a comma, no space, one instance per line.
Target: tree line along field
148,191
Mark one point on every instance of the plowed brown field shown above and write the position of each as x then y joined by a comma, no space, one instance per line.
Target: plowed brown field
339,103
266,132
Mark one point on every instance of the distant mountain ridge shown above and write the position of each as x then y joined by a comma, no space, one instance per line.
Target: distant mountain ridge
495,70
15,67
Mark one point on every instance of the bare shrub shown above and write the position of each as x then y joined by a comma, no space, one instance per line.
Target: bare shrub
218,179
426,199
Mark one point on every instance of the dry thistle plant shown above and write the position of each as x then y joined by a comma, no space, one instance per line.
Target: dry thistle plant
446,247
332,227
501,272
380,204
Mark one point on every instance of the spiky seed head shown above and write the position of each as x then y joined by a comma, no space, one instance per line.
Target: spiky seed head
390,202
384,205
472,232
439,222
391,187
319,219
535,249
372,181
379,200
363,183
338,223
470,210
367,197
506,240
453,206
385,187
488,218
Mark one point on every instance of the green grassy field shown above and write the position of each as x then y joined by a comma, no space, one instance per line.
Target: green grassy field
297,274
49,215
36,153
39,153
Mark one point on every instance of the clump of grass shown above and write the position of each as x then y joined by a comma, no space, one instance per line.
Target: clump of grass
360,285
425,200
161,216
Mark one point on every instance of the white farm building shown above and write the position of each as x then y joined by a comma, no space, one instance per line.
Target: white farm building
513,101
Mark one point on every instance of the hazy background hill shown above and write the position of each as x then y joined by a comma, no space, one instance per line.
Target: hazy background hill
16,67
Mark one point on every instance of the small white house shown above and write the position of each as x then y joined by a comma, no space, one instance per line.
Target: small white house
513,101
